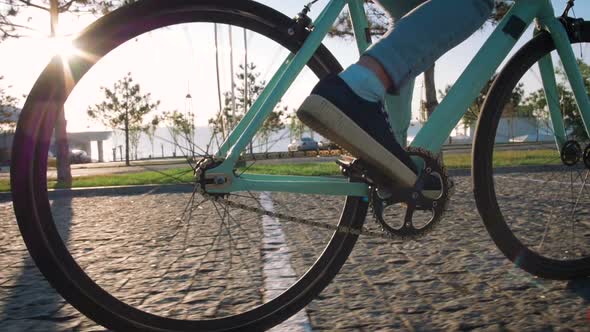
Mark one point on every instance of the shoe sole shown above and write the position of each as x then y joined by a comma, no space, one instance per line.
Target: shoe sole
326,119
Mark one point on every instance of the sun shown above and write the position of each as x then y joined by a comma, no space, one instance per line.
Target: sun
63,47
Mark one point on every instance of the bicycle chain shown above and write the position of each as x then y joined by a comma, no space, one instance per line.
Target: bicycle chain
203,164
286,218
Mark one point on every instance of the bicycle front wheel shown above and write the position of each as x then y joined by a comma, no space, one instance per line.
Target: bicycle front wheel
534,199
155,255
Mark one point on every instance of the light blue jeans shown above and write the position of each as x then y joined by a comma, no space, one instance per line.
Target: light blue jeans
424,30
421,32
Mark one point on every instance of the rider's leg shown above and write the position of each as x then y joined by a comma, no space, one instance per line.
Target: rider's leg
424,34
416,40
337,109
399,106
368,78
396,9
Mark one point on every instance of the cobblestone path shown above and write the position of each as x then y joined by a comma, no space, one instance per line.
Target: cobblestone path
452,279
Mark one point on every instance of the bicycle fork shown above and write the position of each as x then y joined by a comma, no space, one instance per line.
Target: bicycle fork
561,38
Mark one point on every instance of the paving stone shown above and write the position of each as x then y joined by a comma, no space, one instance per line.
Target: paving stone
140,249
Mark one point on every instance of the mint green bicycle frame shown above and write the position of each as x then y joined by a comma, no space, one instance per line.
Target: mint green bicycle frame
440,125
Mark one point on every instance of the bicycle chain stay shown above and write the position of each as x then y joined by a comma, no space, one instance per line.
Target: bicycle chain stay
206,163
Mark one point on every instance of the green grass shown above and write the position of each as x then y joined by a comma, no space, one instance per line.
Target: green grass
451,160
307,169
506,158
170,176
184,174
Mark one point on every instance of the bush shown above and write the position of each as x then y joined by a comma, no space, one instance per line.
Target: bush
51,162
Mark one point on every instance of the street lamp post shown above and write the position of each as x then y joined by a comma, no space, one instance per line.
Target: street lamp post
188,108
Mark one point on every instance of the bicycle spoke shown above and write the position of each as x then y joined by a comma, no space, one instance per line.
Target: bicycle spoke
552,215
254,162
546,231
232,241
186,226
185,152
542,205
574,208
177,178
180,252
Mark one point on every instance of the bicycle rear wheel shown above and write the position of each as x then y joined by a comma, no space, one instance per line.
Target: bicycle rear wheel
160,257
535,207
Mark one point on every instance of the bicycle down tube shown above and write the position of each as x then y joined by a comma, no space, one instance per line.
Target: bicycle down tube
437,129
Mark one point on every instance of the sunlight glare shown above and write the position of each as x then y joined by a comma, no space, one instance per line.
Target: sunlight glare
63,47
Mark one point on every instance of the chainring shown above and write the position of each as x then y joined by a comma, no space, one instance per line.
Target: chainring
395,210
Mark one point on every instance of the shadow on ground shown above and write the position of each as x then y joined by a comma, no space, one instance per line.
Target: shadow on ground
580,287
32,304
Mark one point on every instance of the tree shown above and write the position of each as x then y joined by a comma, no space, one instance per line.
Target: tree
501,7
151,132
12,10
271,125
247,92
378,22
430,102
536,103
134,137
180,125
124,105
8,115
296,127
7,110
9,27
571,114
473,111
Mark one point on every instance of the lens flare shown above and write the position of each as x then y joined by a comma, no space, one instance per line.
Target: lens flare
63,47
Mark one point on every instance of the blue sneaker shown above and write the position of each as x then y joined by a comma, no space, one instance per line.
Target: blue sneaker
361,127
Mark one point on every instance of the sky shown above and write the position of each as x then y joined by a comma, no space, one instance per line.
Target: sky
169,63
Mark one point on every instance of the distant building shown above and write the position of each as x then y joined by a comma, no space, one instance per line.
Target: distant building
80,141
510,129
83,141
522,129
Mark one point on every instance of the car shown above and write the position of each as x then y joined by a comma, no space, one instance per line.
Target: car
327,145
79,157
303,144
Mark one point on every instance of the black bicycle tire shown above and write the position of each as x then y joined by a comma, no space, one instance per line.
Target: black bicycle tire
29,180
485,195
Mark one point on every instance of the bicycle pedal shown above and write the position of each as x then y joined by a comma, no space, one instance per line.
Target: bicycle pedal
345,161
348,164
352,168
356,168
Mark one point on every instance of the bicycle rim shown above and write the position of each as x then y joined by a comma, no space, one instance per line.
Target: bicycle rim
533,204
161,256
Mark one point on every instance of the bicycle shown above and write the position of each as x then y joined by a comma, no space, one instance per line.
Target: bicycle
224,185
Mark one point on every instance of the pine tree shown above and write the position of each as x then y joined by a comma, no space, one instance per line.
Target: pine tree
124,107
